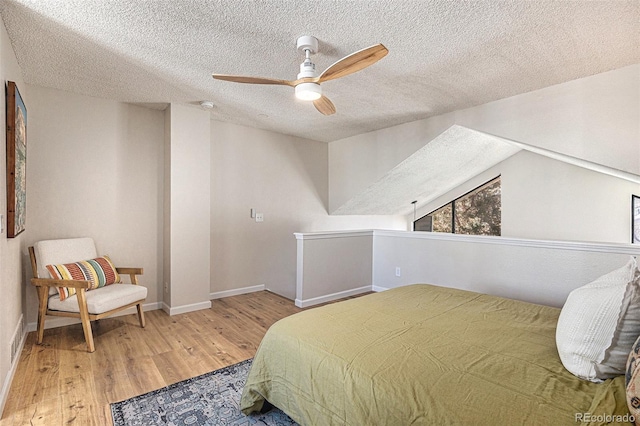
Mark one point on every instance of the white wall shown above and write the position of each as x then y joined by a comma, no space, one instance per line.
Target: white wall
11,250
95,168
283,177
548,199
535,271
594,118
531,270
166,211
188,217
333,265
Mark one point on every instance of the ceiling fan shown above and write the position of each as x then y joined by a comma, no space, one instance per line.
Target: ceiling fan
307,85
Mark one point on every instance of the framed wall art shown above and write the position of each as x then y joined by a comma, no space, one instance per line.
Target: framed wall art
16,161
635,219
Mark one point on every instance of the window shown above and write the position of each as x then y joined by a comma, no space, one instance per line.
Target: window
477,212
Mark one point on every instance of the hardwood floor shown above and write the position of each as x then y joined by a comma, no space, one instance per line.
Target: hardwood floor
60,383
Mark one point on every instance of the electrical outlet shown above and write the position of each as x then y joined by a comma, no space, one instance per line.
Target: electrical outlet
259,217
398,272
166,287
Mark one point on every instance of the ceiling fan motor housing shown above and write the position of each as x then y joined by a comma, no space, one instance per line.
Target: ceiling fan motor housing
308,45
307,69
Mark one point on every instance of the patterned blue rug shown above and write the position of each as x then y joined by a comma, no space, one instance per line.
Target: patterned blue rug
211,399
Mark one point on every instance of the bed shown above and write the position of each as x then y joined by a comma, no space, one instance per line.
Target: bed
423,354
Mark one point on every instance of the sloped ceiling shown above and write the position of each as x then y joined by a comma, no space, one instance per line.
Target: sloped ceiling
444,163
452,158
444,55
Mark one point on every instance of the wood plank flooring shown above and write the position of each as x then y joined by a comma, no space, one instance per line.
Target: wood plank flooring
59,383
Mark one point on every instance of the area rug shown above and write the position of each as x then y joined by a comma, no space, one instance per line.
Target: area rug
210,399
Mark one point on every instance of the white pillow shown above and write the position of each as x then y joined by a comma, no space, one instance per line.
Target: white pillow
599,323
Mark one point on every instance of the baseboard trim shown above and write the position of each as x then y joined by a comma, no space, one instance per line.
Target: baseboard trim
6,384
54,322
331,297
166,308
378,288
176,310
236,291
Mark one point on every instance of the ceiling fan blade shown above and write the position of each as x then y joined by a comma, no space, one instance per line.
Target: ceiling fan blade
354,62
324,105
252,80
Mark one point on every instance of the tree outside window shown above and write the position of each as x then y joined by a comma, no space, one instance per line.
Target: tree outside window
479,212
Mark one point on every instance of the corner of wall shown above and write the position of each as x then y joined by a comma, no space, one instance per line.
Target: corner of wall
11,273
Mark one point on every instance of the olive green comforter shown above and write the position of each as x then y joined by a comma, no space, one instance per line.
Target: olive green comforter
424,355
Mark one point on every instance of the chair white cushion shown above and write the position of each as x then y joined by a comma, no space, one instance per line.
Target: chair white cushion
55,252
102,299
599,323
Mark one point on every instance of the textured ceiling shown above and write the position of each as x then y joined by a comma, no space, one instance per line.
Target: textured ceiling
444,55
452,158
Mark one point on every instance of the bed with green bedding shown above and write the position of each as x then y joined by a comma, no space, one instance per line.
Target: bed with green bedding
424,355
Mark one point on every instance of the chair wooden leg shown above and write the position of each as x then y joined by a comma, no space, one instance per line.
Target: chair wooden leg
141,315
43,299
84,317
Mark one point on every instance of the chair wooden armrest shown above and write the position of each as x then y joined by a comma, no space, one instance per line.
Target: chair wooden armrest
52,282
132,272
125,270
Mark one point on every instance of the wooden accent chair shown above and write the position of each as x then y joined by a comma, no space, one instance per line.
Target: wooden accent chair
85,305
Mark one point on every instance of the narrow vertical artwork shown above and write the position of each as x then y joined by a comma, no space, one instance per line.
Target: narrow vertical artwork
16,161
635,219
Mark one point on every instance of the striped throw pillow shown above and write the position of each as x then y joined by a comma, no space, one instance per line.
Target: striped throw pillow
99,271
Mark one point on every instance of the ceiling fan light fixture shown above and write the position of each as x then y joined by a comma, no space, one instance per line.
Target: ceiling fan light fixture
307,84
308,91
